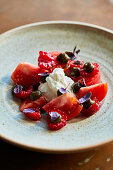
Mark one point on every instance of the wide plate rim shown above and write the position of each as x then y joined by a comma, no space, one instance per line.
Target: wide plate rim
45,149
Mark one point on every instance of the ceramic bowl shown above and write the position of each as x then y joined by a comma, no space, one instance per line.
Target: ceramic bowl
23,44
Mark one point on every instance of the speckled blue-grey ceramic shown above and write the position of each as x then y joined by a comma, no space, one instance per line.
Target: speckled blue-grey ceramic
23,44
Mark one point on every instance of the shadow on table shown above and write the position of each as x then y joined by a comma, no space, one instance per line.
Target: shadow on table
15,158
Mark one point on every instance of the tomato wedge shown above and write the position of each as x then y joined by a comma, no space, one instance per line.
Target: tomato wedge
66,103
27,103
98,90
90,78
48,60
26,74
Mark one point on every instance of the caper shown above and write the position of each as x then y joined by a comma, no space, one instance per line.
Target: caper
78,62
76,86
88,67
88,103
35,95
56,120
75,72
63,58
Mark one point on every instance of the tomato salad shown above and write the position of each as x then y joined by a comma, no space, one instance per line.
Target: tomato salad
62,86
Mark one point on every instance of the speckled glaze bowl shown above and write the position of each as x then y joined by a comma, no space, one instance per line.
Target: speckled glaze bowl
23,44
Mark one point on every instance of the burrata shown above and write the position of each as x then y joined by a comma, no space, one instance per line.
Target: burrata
55,81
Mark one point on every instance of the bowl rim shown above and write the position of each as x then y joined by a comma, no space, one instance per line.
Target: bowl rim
56,22
45,149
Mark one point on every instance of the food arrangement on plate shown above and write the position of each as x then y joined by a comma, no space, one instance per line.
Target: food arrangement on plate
62,86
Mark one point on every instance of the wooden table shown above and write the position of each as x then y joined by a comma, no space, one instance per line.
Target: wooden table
14,13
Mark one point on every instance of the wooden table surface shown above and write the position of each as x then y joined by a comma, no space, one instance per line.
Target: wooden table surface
14,13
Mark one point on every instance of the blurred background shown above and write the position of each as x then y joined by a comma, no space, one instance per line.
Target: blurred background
14,13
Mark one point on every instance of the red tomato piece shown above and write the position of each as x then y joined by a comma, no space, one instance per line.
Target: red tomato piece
26,74
25,94
40,102
95,79
27,103
93,73
98,90
59,65
92,109
90,78
66,103
72,64
48,60
35,115
59,125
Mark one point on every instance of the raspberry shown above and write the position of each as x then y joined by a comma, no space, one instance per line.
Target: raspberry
24,94
92,109
32,113
56,126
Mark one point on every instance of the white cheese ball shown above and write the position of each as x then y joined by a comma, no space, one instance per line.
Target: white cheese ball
55,81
